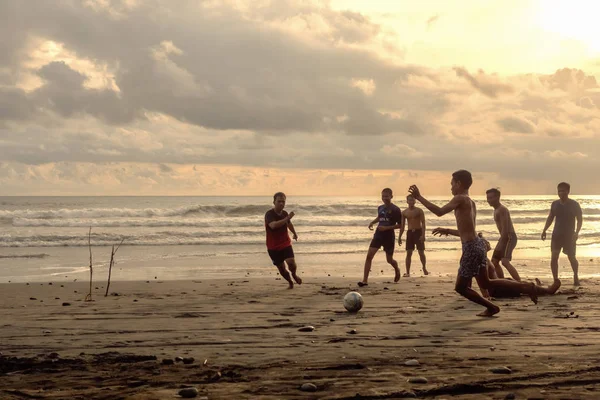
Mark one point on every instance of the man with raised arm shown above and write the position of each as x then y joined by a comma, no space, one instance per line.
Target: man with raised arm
564,235
473,262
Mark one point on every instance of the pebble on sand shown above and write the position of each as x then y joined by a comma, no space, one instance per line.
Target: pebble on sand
510,396
308,387
501,370
188,360
417,379
167,361
178,359
308,328
65,304
353,332
412,363
188,393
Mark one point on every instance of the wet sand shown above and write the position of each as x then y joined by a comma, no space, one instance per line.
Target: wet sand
244,337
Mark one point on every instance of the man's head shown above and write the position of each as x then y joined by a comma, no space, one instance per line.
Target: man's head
563,189
387,195
461,181
410,200
279,201
493,197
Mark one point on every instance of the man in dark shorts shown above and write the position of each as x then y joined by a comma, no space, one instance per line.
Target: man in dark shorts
508,238
414,221
502,293
279,245
564,235
473,263
389,218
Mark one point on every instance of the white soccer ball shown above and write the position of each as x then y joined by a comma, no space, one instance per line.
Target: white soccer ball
353,302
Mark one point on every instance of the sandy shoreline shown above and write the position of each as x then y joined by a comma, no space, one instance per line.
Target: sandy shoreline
247,331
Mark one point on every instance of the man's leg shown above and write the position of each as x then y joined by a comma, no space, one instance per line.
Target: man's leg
408,262
390,259
463,287
498,268
547,290
285,274
511,270
370,254
291,263
423,261
575,267
554,263
506,285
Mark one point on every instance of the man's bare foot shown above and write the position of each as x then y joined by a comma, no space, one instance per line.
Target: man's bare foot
533,295
291,285
397,276
425,271
361,284
554,287
576,282
406,275
489,312
297,279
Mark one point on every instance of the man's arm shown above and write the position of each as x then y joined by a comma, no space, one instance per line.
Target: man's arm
291,228
402,227
445,232
439,211
376,220
549,221
281,222
504,218
579,217
423,226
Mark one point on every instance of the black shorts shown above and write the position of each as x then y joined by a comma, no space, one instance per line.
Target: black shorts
387,241
279,256
507,250
564,242
413,238
473,258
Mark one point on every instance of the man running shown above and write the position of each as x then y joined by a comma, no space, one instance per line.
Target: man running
564,235
279,245
508,238
473,262
389,218
414,221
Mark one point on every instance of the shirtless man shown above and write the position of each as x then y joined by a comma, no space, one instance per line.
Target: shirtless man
414,220
508,238
473,263
508,293
564,235
279,245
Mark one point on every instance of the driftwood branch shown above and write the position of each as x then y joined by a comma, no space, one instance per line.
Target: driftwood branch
112,262
89,295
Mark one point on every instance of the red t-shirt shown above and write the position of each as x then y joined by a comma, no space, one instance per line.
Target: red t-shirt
277,239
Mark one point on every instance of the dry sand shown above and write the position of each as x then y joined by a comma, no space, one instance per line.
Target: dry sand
245,339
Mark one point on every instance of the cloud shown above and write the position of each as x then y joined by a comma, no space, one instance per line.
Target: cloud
260,85
484,83
516,124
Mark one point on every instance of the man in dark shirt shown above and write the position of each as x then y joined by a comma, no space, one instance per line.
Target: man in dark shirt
564,235
279,245
389,218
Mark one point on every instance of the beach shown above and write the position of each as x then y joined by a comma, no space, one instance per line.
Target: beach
245,340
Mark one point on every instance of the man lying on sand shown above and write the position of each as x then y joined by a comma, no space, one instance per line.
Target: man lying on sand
500,292
473,263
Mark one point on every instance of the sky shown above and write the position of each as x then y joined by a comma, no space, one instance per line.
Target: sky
332,97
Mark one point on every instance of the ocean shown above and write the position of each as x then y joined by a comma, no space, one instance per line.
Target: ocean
46,238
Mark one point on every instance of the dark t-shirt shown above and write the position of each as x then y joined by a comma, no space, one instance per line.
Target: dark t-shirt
565,216
277,239
388,217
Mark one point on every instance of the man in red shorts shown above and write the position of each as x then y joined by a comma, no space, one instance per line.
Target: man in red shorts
279,245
